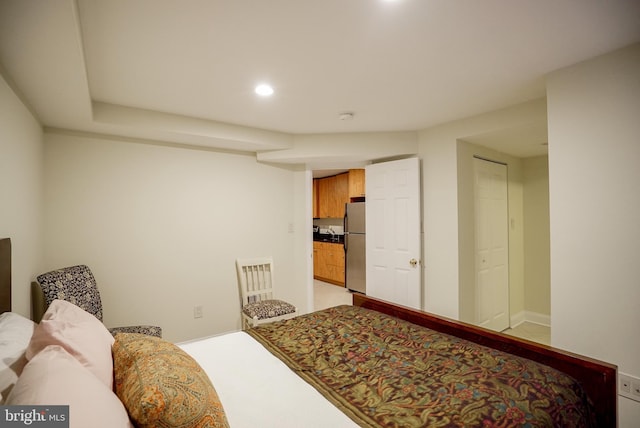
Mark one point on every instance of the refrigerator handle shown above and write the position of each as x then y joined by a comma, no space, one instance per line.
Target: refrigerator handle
345,224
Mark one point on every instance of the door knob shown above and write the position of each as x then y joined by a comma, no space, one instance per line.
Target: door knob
413,262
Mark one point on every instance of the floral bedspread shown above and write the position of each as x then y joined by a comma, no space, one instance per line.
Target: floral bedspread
382,371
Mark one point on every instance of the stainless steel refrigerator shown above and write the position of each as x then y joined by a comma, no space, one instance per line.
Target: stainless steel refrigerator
354,247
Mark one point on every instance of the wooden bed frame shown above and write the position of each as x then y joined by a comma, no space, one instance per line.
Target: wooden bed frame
5,275
599,379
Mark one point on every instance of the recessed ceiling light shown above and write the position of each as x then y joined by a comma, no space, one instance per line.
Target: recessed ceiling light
264,90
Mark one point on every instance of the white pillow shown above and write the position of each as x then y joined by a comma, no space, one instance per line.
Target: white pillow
15,334
81,334
54,377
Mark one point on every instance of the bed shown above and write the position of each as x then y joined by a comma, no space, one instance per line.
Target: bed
369,364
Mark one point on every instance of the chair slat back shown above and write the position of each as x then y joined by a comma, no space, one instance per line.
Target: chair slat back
255,278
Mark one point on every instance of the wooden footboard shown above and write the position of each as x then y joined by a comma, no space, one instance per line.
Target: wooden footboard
599,379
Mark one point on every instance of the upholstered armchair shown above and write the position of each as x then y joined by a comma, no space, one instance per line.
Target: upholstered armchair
76,284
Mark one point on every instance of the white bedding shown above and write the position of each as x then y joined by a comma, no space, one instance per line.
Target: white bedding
15,334
257,389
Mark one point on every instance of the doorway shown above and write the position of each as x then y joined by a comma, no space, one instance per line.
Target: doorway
394,189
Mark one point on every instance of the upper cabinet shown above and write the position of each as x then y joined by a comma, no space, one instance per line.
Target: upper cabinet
316,212
356,183
330,194
326,189
340,195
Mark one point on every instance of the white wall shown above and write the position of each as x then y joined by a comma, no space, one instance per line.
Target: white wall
161,227
21,189
594,177
537,282
440,223
303,244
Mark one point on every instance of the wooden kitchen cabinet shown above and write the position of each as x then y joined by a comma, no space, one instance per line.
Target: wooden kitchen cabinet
356,183
326,188
330,195
328,262
320,261
316,210
340,195
316,258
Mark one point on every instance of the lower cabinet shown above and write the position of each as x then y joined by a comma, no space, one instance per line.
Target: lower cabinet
328,262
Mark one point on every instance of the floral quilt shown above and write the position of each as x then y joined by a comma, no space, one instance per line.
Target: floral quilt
385,372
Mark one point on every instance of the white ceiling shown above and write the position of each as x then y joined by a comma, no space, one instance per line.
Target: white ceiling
184,71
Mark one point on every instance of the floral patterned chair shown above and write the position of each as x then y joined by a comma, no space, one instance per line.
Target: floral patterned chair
76,284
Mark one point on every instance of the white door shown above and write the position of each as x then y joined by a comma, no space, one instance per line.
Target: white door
393,232
492,245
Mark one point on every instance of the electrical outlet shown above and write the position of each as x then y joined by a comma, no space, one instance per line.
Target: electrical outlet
197,311
629,386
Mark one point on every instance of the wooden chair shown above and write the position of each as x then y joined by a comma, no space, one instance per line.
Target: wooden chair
258,306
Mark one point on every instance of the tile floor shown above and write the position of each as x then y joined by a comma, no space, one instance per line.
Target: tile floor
326,295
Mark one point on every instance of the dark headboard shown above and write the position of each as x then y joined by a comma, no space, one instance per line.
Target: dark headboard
5,275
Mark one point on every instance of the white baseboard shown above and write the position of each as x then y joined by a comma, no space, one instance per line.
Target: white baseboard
517,319
538,318
530,316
